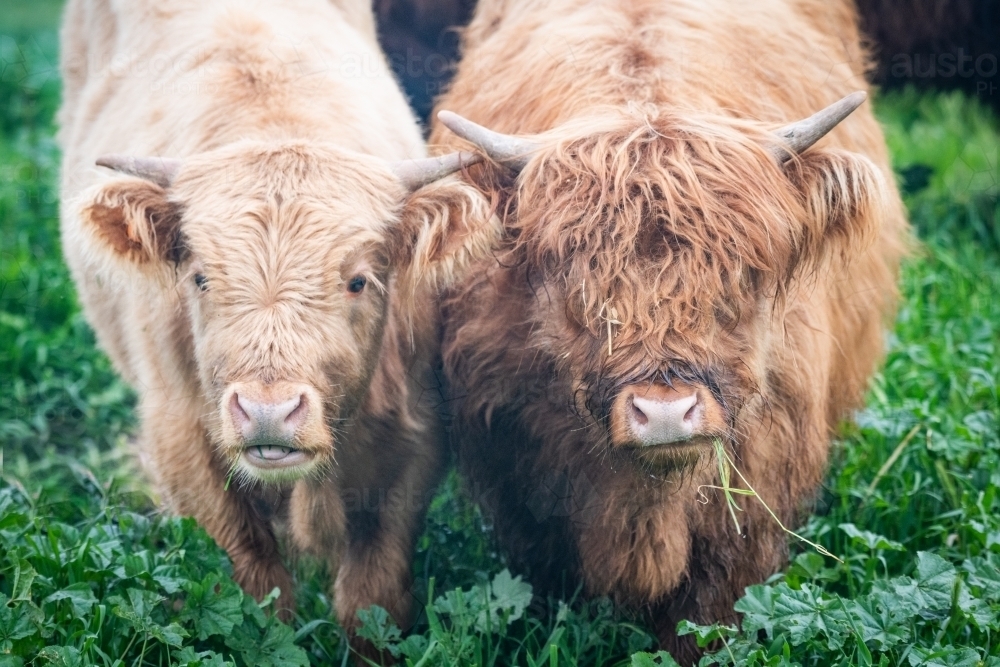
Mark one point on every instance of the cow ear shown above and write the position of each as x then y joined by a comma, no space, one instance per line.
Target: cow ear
133,219
444,227
846,199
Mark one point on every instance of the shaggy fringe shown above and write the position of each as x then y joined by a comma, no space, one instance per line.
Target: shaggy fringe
690,210
444,228
448,225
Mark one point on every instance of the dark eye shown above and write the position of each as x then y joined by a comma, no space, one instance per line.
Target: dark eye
200,281
357,284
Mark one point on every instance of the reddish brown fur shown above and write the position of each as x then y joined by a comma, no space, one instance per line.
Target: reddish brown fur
654,192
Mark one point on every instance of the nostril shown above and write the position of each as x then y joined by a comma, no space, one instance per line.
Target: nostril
239,411
692,413
298,413
638,415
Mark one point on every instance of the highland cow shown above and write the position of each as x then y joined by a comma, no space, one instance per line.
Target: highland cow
680,267
266,289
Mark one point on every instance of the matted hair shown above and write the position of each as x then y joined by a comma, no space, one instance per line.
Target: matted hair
669,217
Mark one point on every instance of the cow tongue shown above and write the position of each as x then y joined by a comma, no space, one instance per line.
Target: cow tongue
272,452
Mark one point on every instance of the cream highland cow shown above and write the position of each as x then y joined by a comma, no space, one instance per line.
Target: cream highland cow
261,274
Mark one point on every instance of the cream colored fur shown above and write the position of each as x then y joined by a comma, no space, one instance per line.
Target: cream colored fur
285,116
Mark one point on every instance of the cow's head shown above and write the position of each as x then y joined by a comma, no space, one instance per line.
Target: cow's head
282,258
660,252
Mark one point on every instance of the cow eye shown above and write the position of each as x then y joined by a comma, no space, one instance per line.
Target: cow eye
201,282
357,284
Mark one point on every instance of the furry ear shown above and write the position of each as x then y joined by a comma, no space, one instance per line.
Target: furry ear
444,227
134,219
846,199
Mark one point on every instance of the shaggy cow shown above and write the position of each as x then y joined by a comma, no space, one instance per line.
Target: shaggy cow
265,289
676,270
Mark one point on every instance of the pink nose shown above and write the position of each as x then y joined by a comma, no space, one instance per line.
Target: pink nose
271,422
647,415
658,422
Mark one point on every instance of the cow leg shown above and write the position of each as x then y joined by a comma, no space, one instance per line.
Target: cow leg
382,530
192,480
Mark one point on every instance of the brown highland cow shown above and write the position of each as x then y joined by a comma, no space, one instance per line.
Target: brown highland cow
267,289
678,267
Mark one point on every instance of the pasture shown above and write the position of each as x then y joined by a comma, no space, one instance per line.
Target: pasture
90,574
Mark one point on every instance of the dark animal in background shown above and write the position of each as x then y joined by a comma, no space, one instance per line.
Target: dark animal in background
943,44
420,39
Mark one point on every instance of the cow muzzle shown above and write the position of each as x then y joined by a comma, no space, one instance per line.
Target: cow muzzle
274,431
656,415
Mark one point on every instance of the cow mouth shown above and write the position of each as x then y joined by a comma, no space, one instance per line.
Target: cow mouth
674,455
683,448
275,456
692,442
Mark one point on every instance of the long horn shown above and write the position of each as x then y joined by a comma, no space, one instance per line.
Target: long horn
797,137
159,170
503,148
415,174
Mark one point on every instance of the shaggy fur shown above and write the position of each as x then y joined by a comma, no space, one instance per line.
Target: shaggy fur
237,275
653,193
914,42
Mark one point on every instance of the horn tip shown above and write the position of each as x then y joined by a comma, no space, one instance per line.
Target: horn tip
450,119
468,158
857,98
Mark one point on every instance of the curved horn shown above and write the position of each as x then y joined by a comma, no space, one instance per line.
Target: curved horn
415,174
799,136
503,148
159,170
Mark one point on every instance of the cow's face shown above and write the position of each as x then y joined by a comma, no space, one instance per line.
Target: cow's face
282,260
661,257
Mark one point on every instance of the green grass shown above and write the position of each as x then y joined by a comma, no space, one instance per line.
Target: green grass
28,17
91,575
